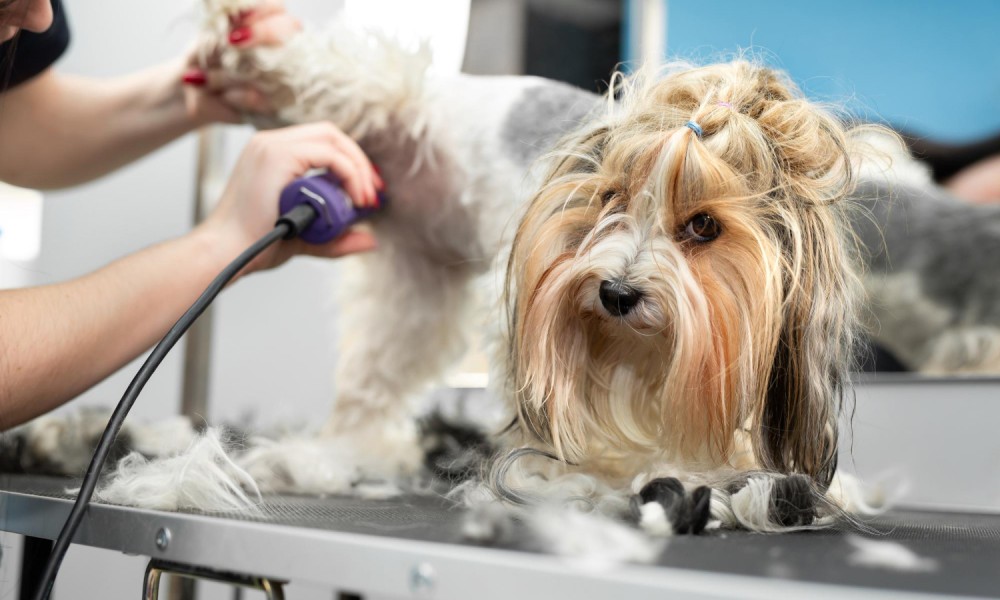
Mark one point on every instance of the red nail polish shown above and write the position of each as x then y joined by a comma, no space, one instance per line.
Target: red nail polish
240,35
194,77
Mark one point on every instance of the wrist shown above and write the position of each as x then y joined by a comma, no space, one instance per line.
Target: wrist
215,244
220,241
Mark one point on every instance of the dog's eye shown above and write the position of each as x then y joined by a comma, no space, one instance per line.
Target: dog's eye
608,196
702,228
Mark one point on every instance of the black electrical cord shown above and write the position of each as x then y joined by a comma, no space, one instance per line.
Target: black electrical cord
288,226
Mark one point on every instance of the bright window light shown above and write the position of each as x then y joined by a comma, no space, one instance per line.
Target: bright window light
443,23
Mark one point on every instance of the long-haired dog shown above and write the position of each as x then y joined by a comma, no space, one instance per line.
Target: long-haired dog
672,264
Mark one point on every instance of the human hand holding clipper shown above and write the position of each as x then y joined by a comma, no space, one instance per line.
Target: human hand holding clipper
248,206
330,211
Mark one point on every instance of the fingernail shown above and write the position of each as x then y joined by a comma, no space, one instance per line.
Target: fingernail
194,77
240,35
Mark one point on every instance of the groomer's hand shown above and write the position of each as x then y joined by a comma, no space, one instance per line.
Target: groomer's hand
249,205
209,94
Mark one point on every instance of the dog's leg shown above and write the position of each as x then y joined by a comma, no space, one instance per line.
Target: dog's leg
793,502
403,328
768,503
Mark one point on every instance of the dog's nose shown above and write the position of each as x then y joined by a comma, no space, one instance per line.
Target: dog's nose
618,297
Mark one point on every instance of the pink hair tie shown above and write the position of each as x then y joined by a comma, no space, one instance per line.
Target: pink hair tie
725,104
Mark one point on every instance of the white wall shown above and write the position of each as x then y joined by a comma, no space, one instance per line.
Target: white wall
927,443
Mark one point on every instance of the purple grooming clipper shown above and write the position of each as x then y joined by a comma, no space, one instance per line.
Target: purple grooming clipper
335,211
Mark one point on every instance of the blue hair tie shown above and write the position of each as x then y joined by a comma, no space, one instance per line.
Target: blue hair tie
696,128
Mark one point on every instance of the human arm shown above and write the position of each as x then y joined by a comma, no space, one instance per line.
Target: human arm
58,340
979,182
58,130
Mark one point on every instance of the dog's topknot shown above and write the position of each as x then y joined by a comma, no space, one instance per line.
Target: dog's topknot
753,118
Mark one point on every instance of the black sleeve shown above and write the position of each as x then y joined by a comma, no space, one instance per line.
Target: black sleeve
29,53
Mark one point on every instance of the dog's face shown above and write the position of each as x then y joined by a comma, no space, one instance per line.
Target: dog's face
668,290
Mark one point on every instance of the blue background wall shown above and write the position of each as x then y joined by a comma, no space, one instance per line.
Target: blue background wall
930,66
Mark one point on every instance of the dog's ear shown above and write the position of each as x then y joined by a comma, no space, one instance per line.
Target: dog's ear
796,428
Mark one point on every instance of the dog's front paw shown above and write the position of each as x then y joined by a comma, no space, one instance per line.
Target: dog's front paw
769,502
663,507
793,503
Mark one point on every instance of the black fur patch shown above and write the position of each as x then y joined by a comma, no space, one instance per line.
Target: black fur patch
668,491
793,503
453,451
701,508
12,449
687,513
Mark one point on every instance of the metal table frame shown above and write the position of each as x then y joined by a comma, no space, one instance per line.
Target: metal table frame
386,566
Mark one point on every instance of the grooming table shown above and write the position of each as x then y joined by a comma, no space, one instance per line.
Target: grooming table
412,548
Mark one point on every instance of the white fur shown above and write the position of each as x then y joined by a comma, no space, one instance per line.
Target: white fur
587,538
653,520
592,540
892,163
65,440
203,477
747,508
878,554
856,498
63,443
164,437
319,466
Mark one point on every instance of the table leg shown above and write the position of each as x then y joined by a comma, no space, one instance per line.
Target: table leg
34,554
